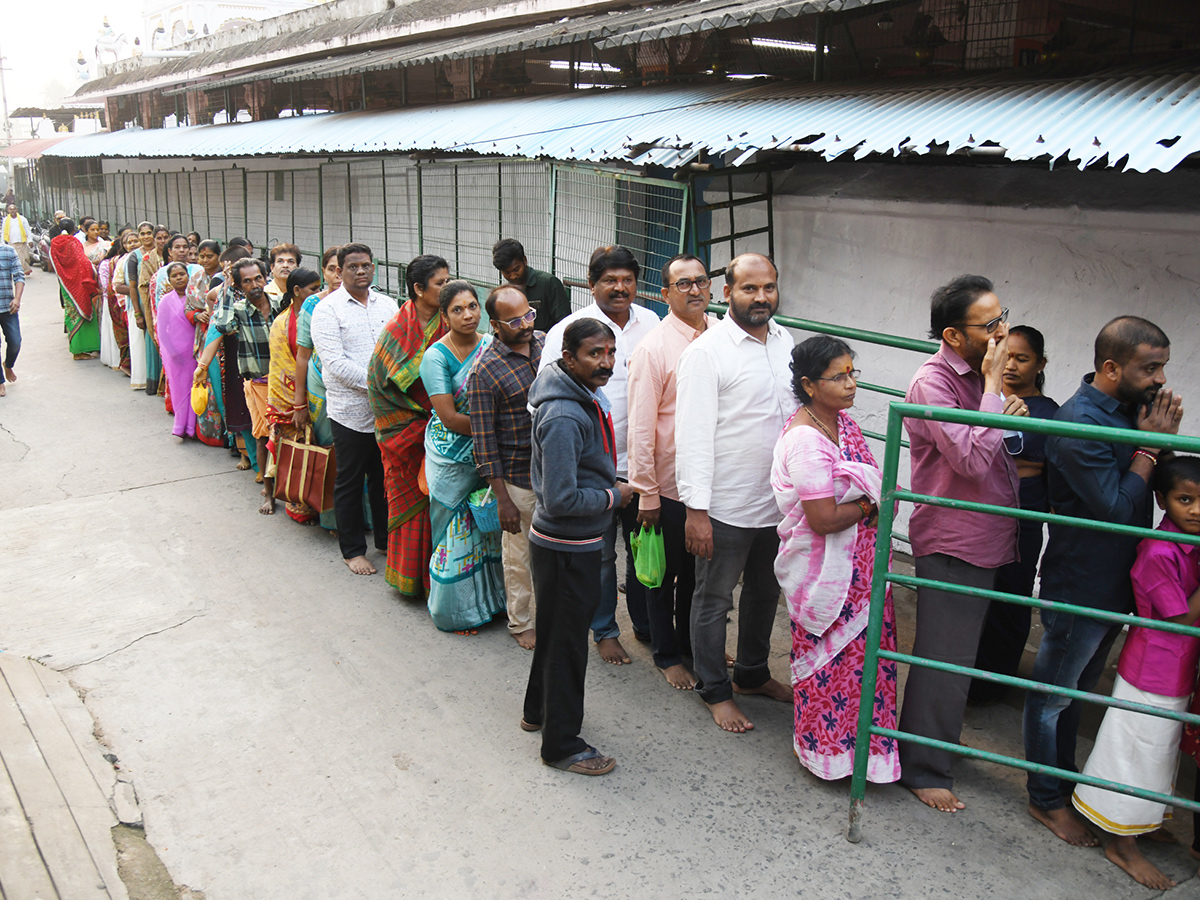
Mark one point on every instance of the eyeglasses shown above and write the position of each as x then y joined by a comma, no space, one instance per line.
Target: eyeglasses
514,324
990,325
685,285
840,377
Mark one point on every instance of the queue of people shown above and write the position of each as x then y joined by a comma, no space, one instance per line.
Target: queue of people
726,438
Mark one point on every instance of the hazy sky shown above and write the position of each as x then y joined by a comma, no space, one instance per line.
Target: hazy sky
40,43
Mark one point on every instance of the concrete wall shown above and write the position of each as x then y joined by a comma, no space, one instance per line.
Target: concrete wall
872,262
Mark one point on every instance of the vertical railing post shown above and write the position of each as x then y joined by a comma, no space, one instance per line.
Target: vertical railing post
553,219
420,212
879,584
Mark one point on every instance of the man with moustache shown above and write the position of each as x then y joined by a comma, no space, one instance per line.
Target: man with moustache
1110,483
734,397
284,258
575,480
652,402
498,396
962,462
613,277
249,317
546,294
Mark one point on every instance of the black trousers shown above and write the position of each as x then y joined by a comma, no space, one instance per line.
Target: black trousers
669,606
358,457
1006,629
566,587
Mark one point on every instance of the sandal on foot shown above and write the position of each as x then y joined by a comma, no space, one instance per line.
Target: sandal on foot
529,726
572,763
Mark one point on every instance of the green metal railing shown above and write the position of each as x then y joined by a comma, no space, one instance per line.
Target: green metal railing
882,577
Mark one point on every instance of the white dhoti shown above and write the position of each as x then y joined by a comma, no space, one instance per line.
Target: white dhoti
1134,749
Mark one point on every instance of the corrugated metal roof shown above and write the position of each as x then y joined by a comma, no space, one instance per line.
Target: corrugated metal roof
32,149
1152,119
610,28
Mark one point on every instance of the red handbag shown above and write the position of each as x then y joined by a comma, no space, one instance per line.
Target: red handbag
305,473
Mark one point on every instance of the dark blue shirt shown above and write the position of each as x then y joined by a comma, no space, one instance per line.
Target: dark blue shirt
1091,480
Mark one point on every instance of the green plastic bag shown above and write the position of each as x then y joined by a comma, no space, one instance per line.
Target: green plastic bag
649,556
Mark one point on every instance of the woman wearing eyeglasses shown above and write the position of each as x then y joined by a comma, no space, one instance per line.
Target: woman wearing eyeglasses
466,576
827,486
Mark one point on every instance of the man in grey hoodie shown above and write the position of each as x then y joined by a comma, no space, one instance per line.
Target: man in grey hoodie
575,481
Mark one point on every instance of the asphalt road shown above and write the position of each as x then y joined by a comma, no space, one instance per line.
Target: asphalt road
295,731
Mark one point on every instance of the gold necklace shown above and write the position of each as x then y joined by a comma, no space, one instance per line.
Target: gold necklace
821,425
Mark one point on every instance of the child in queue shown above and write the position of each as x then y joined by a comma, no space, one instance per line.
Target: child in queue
1155,668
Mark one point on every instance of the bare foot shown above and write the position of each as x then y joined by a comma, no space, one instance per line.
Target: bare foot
939,799
360,565
3,390
268,507
527,638
1065,825
1160,836
774,689
10,374
679,677
612,652
243,463
729,717
1124,852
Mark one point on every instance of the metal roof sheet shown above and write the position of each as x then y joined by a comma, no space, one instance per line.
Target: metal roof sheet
32,149
1153,120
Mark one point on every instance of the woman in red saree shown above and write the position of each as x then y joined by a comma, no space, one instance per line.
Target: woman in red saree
80,291
402,409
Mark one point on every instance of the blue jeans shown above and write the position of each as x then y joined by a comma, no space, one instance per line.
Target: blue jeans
1072,655
10,326
604,622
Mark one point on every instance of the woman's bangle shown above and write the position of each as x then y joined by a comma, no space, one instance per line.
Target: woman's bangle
1153,457
865,507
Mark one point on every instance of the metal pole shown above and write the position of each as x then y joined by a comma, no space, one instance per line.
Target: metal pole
879,581
819,55
553,219
4,99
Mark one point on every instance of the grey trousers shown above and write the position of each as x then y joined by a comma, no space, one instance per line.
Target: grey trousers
948,629
748,553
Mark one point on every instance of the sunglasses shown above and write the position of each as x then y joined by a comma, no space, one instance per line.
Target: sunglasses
526,319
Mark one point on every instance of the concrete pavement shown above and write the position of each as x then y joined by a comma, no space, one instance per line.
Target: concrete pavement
294,731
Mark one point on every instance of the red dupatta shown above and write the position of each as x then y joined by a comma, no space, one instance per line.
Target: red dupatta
75,272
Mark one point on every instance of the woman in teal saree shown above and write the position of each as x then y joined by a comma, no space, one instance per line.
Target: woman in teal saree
466,575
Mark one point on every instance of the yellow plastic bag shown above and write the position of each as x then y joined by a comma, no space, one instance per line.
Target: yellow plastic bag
199,398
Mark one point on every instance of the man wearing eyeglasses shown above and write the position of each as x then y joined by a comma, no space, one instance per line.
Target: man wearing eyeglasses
498,395
613,277
962,462
687,290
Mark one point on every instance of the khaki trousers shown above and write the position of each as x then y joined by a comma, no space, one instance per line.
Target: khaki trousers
518,580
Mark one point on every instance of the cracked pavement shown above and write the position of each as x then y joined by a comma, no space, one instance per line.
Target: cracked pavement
297,732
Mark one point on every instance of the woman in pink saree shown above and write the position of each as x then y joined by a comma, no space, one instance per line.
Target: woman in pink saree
827,486
177,341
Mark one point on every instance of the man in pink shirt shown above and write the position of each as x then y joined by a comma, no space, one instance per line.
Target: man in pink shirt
964,463
651,455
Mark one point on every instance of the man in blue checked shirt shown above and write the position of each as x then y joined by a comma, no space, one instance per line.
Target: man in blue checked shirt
12,285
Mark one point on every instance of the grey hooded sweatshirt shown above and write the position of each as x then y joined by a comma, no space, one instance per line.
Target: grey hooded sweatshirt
574,463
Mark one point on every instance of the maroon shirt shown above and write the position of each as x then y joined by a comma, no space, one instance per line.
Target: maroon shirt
961,462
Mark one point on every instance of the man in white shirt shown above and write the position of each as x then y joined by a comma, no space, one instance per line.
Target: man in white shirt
734,397
285,259
16,235
345,327
652,402
613,277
